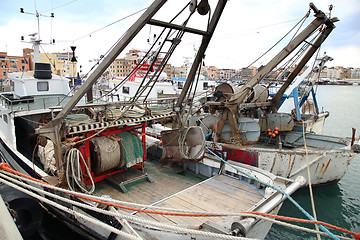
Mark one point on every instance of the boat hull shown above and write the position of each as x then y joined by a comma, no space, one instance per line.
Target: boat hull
326,166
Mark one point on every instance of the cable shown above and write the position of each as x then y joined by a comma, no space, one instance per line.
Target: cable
89,34
182,144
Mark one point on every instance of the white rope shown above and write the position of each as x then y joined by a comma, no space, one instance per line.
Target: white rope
74,152
296,227
126,217
309,180
289,225
70,211
114,201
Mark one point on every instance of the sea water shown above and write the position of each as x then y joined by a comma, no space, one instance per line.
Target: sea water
337,204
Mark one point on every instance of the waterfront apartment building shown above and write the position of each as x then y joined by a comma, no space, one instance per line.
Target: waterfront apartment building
248,73
226,74
355,73
122,67
10,64
61,63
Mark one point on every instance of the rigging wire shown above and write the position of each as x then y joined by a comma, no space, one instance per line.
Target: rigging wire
169,52
147,56
108,25
52,8
301,21
138,94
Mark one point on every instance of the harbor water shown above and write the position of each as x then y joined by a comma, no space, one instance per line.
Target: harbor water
337,204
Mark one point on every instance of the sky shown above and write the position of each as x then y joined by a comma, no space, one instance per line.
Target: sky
245,31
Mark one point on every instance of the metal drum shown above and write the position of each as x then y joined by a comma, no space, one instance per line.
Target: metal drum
248,128
259,93
224,91
283,121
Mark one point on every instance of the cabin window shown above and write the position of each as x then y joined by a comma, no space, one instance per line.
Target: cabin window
160,91
126,90
42,86
5,118
205,85
180,86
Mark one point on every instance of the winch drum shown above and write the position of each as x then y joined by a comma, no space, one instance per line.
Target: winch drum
107,154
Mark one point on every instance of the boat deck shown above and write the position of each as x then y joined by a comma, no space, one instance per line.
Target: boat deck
166,182
217,194
184,189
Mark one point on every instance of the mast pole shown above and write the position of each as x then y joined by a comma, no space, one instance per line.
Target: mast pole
200,54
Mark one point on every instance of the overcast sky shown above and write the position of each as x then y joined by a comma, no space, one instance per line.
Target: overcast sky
246,30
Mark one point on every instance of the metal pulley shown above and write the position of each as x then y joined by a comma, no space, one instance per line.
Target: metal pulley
203,7
192,6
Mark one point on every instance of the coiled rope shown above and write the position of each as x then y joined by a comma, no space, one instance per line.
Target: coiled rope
73,155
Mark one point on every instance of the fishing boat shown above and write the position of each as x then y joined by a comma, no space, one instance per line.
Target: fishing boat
246,123
86,162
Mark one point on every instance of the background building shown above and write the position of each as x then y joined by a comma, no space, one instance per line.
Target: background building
10,64
61,63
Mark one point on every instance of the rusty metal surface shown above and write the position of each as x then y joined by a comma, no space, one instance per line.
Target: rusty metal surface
248,130
329,168
283,121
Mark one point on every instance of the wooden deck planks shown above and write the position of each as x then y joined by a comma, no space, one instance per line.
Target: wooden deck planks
166,183
218,194
186,191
